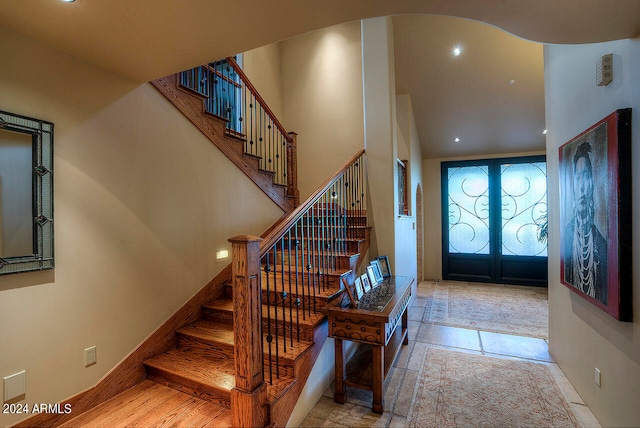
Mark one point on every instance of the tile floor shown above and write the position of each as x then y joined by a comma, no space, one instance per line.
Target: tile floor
402,378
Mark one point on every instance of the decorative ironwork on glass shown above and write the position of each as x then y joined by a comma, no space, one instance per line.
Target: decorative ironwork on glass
468,209
524,208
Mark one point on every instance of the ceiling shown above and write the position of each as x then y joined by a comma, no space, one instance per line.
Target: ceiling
490,97
468,97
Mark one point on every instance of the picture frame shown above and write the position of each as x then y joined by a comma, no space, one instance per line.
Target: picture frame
350,293
366,285
596,214
358,286
385,267
376,270
372,276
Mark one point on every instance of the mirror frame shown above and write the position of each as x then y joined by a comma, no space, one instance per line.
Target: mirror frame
42,194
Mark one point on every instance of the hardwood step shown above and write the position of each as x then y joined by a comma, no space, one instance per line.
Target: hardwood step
221,310
149,404
327,287
212,340
209,379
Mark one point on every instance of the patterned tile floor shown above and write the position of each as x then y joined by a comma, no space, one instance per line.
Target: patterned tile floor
402,378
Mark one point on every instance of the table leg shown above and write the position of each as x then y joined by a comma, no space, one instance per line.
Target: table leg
378,378
340,395
405,325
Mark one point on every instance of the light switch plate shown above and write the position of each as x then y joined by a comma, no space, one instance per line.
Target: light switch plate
15,385
90,356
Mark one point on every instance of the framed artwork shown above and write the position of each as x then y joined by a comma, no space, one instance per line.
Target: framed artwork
359,289
595,214
372,276
376,270
385,267
366,285
350,293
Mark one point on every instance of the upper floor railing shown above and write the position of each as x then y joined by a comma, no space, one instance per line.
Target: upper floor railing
229,94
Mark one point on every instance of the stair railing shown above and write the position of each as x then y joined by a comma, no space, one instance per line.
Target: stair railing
298,260
230,94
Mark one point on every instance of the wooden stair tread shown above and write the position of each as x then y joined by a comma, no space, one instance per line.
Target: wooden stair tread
151,404
217,373
211,331
226,305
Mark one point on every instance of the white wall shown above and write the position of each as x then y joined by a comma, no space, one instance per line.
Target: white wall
264,69
408,148
142,203
582,337
322,100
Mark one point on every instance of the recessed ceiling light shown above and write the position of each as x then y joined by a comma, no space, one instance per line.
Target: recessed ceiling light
544,132
511,82
457,51
456,140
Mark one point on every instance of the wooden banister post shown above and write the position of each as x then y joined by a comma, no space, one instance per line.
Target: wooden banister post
292,169
248,398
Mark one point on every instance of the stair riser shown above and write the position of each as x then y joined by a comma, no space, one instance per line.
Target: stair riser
323,293
204,348
318,301
276,299
224,317
327,262
306,332
284,329
320,250
201,348
306,284
315,228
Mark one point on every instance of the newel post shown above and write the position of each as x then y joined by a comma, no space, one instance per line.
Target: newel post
292,169
248,398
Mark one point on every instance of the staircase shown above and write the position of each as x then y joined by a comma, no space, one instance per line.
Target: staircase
192,382
240,351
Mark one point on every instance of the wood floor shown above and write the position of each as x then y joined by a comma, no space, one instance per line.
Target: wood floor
150,404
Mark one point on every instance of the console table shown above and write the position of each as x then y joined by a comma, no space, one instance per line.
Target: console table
374,324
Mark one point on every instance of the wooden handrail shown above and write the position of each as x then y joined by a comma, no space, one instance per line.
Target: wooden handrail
259,98
271,236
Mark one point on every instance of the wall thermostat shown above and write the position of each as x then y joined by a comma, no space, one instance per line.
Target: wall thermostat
604,70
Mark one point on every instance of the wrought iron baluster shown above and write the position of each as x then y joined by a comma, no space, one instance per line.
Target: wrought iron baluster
267,269
275,310
297,244
284,296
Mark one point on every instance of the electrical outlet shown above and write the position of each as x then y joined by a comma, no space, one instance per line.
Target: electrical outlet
597,376
90,356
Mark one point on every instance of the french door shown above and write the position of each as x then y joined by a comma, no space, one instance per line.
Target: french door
494,220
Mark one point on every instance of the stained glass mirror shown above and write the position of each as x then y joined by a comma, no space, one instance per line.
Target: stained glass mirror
26,194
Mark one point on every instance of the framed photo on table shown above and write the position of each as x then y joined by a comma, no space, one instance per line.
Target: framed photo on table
372,276
359,289
385,267
376,270
366,285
